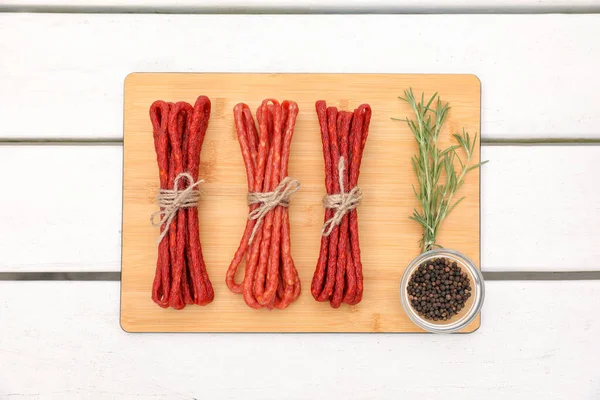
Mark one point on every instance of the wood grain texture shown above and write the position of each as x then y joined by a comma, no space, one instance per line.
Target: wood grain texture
71,74
388,238
533,343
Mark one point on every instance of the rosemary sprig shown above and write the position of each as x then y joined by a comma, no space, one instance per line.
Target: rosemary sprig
430,163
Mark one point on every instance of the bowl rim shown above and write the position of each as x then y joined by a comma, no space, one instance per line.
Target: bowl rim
478,291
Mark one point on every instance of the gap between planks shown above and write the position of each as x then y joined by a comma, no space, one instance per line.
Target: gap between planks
62,142
309,7
116,276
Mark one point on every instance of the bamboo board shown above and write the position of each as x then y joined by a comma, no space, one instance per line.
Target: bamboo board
389,240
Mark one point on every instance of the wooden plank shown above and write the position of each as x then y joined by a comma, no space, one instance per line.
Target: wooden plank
521,188
306,6
386,178
73,86
64,208
532,343
539,209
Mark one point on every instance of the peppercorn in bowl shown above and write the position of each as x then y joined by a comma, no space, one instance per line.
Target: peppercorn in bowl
442,291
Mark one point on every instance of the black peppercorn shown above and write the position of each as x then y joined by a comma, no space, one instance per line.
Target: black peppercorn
439,289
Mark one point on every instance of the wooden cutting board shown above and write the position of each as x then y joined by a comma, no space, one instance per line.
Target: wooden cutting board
389,240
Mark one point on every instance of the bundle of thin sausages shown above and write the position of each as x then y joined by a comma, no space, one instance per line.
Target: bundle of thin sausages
181,277
270,277
338,276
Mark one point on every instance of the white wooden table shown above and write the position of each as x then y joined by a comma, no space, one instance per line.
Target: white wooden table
62,65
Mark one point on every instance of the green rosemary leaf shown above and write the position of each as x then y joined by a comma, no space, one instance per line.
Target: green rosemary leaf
448,150
415,191
464,142
431,101
462,165
474,141
477,165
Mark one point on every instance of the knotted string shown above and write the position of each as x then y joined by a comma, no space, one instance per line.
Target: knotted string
171,200
269,200
342,202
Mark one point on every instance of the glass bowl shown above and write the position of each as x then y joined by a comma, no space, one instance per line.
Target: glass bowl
473,305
